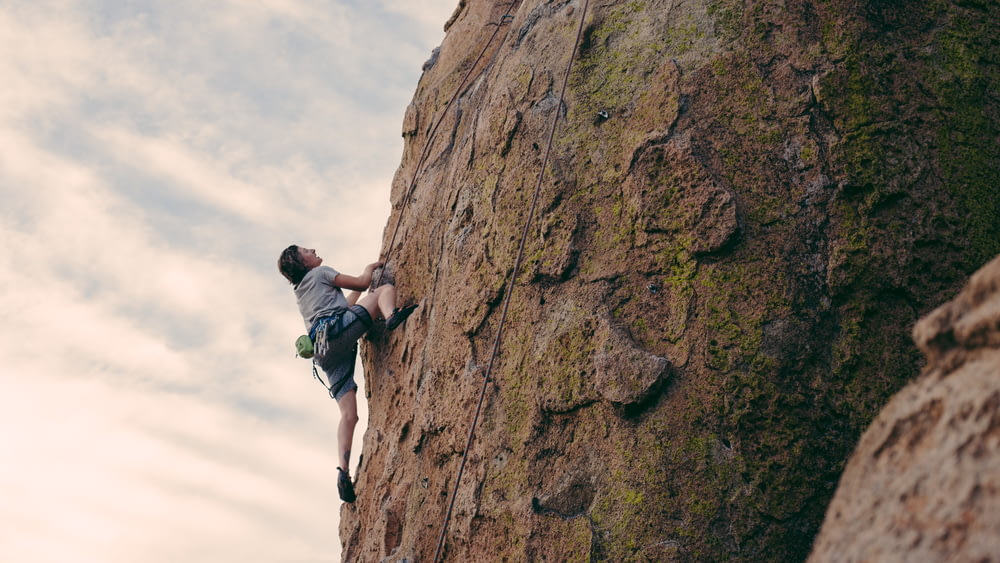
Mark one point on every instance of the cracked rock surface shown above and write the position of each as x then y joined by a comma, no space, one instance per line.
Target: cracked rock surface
746,208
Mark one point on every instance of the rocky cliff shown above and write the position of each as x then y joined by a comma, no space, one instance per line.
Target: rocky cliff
924,483
746,206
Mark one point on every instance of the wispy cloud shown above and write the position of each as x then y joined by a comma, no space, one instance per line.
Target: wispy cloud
154,159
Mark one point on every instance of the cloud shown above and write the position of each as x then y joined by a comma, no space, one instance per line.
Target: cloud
130,481
154,159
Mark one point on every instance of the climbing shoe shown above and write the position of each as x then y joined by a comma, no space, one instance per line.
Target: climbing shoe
344,486
398,316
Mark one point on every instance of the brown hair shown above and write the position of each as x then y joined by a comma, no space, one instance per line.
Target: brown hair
290,265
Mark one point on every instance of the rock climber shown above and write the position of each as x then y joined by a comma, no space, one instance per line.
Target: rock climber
335,323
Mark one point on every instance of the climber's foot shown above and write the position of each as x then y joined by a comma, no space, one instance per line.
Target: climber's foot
344,486
398,316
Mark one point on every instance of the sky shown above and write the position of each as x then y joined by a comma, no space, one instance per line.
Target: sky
155,158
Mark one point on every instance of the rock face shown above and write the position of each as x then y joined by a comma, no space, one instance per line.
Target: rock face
924,483
746,207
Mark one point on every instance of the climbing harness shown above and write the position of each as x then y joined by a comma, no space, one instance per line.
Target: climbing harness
320,379
510,287
332,390
314,345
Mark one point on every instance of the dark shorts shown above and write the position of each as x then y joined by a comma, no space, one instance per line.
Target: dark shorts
338,360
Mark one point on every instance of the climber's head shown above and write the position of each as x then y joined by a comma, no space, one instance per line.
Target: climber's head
295,262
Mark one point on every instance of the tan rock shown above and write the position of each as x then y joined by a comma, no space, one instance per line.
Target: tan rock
625,374
746,206
924,482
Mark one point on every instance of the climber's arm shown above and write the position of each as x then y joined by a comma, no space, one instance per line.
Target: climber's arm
357,283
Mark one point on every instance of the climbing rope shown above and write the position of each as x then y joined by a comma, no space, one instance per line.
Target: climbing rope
510,286
505,18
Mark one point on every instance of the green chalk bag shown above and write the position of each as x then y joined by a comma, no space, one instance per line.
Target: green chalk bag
304,346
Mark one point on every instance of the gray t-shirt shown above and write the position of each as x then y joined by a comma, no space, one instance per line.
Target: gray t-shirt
318,297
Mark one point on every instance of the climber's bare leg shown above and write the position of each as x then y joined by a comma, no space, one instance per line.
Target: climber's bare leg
380,302
345,432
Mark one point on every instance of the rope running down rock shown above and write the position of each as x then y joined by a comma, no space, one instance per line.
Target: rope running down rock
510,286
430,137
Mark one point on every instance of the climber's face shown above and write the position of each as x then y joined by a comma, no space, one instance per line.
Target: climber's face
309,258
